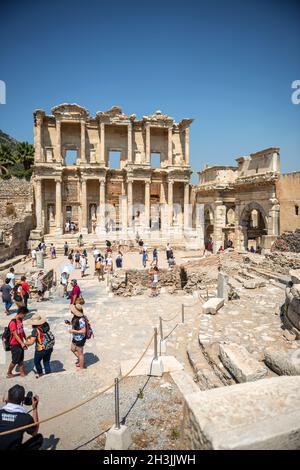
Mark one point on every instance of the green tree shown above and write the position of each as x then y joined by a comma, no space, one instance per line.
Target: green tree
7,158
24,154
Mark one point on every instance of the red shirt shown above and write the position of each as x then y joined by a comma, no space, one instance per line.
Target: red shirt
75,292
25,287
18,327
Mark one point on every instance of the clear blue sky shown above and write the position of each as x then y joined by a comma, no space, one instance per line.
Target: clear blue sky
228,64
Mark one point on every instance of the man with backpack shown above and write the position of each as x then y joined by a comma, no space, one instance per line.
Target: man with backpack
44,341
6,291
15,340
11,277
25,290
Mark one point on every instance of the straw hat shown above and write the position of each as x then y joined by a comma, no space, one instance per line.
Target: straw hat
77,310
37,319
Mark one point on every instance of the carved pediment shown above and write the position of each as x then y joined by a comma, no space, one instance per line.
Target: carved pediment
115,114
69,111
159,118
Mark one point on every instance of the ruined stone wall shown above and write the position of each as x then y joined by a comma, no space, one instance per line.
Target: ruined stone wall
135,282
288,193
16,216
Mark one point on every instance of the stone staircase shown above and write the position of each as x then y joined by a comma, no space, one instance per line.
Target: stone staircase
91,240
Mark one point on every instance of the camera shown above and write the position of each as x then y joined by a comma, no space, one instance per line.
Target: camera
28,399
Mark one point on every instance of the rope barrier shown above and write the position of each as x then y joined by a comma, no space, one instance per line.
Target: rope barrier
170,319
171,331
22,428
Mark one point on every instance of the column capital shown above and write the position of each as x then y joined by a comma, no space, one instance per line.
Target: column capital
58,179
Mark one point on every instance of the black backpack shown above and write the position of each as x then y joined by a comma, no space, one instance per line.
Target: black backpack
6,335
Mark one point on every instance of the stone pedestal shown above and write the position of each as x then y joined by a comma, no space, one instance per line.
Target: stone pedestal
156,367
118,439
39,260
35,237
223,286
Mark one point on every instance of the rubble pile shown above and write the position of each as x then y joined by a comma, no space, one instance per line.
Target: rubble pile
288,241
136,282
281,262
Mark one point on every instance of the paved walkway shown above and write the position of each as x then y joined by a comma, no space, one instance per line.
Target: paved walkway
122,328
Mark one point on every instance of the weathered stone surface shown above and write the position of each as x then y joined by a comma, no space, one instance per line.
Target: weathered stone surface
283,362
204,374
240,363
295,275
261,415
288,335
253,283
212,305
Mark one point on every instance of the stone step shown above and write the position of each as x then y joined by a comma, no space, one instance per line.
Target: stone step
259,415
241,364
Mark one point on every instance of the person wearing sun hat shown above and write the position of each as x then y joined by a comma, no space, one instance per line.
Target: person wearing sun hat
44,341
78,331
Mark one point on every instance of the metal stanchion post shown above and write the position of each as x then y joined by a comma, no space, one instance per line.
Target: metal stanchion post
118,437
117,404
161,329
182,313
155,344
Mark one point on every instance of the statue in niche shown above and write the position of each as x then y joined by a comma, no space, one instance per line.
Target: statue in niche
94,217
51,214
230,217
178,159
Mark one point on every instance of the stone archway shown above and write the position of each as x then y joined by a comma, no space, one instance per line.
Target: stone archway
208,225
254,224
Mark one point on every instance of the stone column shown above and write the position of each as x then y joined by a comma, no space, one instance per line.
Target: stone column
219,224
170,149
186,207
38,203
129,203
38,140
147,144
129,143
200,224
58,157
82,142
101,224
187,146
170,203
274,218
163,206
84,229
58,208
102,143
147,205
